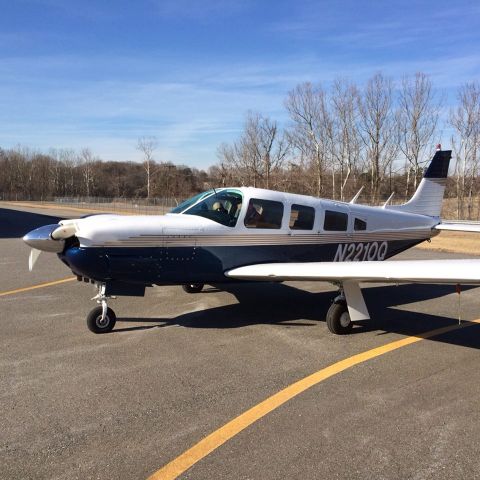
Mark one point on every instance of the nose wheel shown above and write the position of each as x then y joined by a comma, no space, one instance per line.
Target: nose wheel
99,323
102,318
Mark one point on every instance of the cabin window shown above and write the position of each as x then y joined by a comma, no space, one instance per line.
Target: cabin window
264,214
335,221
359,224
220,206
302,217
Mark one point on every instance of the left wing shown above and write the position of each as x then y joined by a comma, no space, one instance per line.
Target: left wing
389,271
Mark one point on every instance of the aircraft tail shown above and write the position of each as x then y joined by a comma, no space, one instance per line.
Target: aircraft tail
428,198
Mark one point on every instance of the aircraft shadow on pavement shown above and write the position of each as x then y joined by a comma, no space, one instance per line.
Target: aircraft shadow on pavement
15,223
280,304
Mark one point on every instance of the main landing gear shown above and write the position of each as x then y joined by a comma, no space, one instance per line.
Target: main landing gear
102,318
349,306
338,318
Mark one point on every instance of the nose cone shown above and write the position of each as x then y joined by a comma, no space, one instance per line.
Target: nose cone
41,239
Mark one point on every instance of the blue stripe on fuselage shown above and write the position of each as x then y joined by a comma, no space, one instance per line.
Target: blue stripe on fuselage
180,265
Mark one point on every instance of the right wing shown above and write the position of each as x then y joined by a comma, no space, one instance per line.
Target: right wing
389,271
459,226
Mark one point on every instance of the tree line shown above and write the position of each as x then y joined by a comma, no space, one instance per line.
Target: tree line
29,175
338,139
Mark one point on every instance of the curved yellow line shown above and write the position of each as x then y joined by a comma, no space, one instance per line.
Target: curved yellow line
217,438
34,287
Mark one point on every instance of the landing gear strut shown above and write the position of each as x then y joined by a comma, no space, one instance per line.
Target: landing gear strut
338,318
102,318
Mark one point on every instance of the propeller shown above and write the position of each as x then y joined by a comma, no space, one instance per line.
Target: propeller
49,238
32,259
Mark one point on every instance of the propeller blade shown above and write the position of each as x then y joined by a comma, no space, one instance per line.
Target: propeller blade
32,259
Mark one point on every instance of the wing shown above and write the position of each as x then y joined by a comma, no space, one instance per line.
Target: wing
459,226
389,271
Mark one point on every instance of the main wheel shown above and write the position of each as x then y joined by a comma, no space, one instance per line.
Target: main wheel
338,319
193,287
95,323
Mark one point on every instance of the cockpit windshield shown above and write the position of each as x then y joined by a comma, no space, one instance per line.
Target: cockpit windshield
220,206
190,201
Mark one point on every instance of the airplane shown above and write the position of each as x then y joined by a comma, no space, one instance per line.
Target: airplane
229,235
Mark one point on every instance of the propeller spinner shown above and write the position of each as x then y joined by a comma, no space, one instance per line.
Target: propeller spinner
42,240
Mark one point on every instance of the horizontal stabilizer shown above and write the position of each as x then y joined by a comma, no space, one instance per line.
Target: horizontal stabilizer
416,271
459,226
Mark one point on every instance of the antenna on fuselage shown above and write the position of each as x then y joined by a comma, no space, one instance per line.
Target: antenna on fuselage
388,200
355,198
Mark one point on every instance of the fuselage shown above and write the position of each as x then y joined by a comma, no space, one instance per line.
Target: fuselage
230,228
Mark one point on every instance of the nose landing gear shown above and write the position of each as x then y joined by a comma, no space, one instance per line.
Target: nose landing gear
102,318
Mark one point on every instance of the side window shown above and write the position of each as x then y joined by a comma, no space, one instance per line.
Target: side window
359,224
264,214
302,217
335,221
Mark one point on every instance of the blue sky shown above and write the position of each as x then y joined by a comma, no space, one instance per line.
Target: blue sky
100,74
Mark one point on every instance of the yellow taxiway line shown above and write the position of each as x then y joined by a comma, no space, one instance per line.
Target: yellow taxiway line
217,438
40,285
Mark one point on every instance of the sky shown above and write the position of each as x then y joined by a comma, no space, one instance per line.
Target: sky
100,74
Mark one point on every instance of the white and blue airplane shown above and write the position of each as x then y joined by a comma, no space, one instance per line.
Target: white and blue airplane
249,234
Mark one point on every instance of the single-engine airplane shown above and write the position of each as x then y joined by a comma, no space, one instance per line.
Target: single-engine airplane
236,234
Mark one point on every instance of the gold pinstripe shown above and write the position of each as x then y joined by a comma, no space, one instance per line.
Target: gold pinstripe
264,239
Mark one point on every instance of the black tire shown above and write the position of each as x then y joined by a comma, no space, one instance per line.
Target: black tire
338,319
95,324
193,287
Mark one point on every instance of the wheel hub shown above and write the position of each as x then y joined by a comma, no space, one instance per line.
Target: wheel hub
345,319
102,322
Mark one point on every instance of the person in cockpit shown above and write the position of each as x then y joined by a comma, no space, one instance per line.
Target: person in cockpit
218,207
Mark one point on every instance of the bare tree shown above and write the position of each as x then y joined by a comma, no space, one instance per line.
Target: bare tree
247,149
147,146
377,128
258,153
308,110
272,145
69,161
417,119
465,119
87,160
228,163
346,144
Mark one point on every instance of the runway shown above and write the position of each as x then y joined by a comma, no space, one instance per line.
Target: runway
178,368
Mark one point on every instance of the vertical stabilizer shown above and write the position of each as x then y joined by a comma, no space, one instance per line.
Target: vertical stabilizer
428,198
